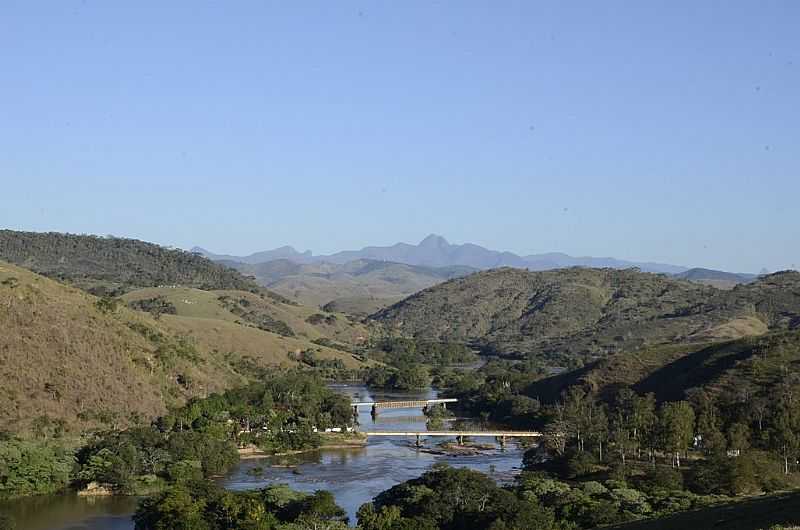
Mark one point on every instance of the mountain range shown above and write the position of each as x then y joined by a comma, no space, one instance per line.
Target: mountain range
436,251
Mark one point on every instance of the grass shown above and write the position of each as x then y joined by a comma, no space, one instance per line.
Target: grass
195,303
266,348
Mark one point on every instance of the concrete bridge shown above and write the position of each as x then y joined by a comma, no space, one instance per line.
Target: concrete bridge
500,436
412,404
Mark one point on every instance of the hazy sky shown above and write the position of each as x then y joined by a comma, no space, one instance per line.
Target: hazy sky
653,130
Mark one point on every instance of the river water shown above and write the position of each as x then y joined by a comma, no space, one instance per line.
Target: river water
354,476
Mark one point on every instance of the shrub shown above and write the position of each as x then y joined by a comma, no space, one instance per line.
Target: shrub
661,478
580,464
33,468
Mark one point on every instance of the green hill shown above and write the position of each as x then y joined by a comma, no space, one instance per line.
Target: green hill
591,313
113,265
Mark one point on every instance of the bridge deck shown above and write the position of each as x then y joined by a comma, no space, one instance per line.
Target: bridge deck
493,434
413,403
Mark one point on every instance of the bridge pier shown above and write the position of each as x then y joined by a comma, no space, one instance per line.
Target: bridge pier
460,440
374,410
418,442
502,441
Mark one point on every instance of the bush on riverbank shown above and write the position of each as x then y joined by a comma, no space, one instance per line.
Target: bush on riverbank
33,467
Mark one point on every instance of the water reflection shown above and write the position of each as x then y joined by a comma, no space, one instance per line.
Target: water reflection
70,512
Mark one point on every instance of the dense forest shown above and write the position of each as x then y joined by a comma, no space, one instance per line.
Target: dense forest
112,265
406,363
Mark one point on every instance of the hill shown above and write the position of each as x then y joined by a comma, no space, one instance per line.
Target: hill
114,265
718,279
358,287
588,313
71,360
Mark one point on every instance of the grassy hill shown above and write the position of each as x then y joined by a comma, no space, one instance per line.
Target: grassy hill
71,360
109,264
251,310
591,313
358,287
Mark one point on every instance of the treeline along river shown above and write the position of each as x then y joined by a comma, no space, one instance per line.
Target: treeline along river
353,475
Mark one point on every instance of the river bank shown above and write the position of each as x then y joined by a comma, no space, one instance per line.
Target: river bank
331,441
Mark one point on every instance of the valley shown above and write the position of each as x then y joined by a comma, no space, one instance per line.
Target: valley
141,370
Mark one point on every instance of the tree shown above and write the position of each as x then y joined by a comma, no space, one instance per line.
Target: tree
785,426
637,415
738,437
175,509
708,421
676,428
321,506
621,437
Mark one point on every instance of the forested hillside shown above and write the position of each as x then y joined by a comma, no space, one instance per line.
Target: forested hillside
587,313
114,265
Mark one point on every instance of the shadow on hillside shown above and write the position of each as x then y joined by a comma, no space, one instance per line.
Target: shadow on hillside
549,389
752,514
696,369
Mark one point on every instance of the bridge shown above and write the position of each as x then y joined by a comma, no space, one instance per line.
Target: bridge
500,436
412,404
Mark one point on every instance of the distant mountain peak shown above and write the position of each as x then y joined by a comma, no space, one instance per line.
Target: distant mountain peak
434,241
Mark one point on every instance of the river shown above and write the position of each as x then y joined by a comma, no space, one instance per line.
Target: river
354,476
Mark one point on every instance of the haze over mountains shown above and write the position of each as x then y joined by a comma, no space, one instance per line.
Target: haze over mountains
363,281
436,251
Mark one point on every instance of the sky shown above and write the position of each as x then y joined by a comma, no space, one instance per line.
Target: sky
657,131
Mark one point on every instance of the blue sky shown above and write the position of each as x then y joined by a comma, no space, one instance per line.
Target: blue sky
656,130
